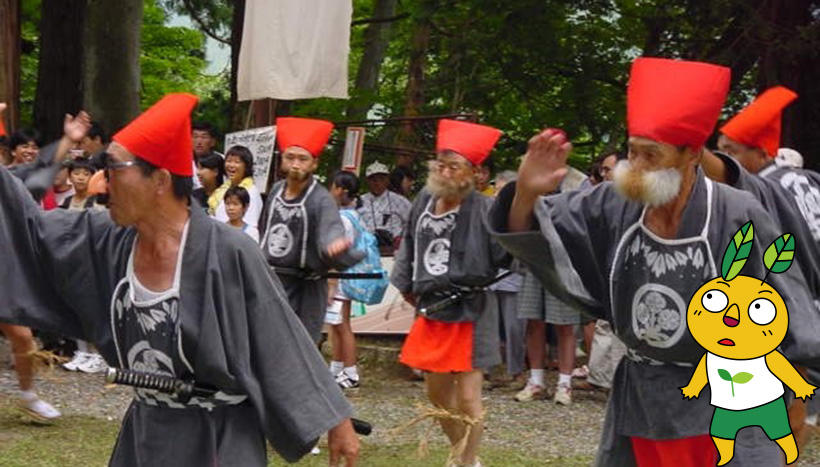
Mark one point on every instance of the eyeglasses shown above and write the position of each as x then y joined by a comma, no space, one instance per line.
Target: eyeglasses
110,164
452,166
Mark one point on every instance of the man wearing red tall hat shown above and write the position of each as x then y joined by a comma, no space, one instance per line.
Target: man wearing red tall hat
750,141
162,289
633,252
302,234
446,247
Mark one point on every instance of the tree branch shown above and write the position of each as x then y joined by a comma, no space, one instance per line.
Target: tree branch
192,12
390,19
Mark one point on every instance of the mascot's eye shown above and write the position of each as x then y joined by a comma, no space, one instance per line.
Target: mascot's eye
762,311
714,300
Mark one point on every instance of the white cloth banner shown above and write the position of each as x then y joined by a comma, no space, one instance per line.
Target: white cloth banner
294,49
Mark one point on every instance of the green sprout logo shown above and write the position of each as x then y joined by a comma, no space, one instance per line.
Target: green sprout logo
740,378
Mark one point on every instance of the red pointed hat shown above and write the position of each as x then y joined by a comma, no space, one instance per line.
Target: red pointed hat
162,134
307,133
471,140
758,125
674,101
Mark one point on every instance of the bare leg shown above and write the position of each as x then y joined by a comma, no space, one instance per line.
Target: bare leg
469,403
536,339
346,339
442,392
22,343
589,334
566,348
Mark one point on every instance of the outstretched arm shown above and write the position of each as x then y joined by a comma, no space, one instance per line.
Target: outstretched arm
697,382
714,167
784,371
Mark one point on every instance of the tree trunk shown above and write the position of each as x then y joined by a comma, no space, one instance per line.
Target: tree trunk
238,110
414,94
376,39
112,67
10,61
60,69
786,59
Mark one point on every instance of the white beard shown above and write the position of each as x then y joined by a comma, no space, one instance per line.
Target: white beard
655,188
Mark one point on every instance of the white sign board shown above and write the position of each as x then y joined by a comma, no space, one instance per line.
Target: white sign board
260,141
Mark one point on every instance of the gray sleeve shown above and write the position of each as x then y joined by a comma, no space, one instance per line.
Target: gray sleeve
278,364
569,249
402,274
58,266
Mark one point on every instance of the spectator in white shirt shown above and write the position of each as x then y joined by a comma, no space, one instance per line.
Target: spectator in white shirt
383,212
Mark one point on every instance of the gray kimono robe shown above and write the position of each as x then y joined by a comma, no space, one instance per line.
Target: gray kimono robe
294,236
472,257
234,330
591,249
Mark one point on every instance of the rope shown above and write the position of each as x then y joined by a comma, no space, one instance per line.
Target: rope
440,413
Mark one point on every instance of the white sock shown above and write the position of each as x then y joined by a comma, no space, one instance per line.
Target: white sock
336,367
536,377
352,372
82,346
564,380
28,396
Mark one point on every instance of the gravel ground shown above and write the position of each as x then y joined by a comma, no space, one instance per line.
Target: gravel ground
388,400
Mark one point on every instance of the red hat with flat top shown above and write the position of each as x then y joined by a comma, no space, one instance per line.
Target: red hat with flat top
471,140
758,125
675,101
308,133
162,134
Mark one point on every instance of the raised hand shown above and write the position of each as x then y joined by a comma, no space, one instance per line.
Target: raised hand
544,164
75,128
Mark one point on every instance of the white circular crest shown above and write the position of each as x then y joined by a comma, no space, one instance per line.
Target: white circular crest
437,257
658,315
280,241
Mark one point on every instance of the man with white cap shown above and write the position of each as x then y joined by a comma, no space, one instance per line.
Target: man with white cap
635,251
163,290
383,212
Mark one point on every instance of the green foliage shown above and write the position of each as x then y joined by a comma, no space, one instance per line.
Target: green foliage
737,252
780,254
29,59
172,58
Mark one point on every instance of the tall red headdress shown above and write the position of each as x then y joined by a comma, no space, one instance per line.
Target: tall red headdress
675,101
471,140
307,133
162,134
758,125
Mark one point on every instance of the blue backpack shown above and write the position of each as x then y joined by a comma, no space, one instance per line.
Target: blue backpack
367,291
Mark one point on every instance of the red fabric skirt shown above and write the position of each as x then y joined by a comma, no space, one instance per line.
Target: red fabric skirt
696,451
439,347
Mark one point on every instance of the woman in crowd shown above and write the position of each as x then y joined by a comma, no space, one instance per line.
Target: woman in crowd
239,172
210,171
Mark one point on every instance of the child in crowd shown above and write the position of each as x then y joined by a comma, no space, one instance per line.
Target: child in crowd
237,200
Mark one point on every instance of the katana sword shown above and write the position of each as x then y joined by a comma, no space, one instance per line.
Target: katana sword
459,294
327,275
184,390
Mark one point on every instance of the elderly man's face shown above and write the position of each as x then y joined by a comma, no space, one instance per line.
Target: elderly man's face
653,173
450,176
203,142
377,183
751,159
132,195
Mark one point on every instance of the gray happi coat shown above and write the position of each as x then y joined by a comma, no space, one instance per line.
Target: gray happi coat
307,296
573,250
236,331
